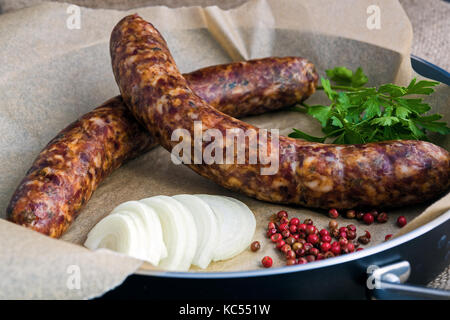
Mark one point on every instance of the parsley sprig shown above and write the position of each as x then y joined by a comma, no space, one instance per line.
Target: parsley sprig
359,114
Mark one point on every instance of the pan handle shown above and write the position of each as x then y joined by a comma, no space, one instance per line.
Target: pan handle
388,283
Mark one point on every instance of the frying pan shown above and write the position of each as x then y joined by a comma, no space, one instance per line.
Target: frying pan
397,269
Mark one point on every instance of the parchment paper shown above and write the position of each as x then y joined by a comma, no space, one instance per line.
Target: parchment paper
50,75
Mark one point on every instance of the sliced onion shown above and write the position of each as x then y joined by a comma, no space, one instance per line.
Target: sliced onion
231,224
250,223
179,232
152,238
206,225
116,232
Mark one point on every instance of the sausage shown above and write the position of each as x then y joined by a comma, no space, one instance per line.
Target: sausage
384,174
69,169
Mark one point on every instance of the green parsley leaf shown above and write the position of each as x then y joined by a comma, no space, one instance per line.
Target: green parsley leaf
358,114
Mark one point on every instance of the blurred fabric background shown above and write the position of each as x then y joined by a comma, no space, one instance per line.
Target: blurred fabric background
430,20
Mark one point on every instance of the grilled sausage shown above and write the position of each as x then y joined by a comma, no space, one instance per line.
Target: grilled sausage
391,173
69,169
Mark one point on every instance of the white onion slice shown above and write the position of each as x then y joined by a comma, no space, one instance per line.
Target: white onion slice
152,239
116,232
250,223
179,232
207,228
231,222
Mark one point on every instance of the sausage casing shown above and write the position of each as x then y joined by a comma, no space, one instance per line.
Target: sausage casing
69,169
390,173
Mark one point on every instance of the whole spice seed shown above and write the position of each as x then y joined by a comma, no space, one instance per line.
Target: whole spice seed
308,222
326,238
363,240
285,248
333,213
294,222
284,220
255,246
290,255
301,227
313,239
285,233
388,237
335,233
367,234
401,221
300,252
324,232
302,261
359,215
267,262
382,217
283,227
276,237
280,243
351,235
290,262
271,225
351,227
290,240
282,214
333,224
271,232
350,214
310,229
368,218
293,228
297,246
314,251
329,254
326,246
310,258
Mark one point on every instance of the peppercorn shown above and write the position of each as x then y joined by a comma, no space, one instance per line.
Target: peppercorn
401,221
351,227
351,234
363,240
314,251
290,262
333,213
310,258
367,234
333,224
271,225
335,233
283,227
350,214
271,232
282,214
326,246
285,233
284,220
308,222
255,246
302,261
326,238
294,222
290,240
297,246
267,262
276,237
313,239
329,254
388,237
285,248
300,252
359,215
368,218
280,243
382,217
290,254
310,229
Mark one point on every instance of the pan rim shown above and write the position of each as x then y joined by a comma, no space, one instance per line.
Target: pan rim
443,218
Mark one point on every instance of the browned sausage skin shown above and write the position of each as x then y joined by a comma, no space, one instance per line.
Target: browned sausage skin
392,173
69,169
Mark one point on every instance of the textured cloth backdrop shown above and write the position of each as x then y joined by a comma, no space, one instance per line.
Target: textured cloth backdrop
430,20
